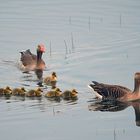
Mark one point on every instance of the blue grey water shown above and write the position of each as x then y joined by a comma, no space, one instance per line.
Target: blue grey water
85,40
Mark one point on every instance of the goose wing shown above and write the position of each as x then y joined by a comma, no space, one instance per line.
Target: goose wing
27,58
34,57
109,91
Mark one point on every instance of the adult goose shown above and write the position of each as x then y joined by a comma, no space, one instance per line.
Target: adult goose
31,62
117,92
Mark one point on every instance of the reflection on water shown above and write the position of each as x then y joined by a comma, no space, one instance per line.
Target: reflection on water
114,106
85,40
40,100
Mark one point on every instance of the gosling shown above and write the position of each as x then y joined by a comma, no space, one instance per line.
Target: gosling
34,93
51,80
70,95
7,91
54,93
19,91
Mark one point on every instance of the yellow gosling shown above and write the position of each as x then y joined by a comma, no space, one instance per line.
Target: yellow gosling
38,92
30,93
68,95
7,91
51,80
53,93
19,91
34,93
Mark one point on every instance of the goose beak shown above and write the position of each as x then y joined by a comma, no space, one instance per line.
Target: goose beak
41,47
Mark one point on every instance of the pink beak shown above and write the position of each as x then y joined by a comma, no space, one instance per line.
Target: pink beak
42,47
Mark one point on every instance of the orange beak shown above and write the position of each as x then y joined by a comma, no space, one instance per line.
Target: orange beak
42,47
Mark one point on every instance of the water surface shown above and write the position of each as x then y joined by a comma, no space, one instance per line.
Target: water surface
89,40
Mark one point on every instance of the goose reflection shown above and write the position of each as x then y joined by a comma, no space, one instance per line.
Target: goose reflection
114,106
136,106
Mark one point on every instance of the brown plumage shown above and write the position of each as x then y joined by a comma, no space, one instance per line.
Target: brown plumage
117,92
31,62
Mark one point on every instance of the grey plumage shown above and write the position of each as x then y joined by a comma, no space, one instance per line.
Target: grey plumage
109,91
27,58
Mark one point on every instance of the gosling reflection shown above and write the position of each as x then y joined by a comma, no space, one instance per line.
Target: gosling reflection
114,106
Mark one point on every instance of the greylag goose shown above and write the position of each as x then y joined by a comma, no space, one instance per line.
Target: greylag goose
67,95
117,92
31,62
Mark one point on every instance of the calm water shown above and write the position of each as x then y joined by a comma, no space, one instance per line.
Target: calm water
102,38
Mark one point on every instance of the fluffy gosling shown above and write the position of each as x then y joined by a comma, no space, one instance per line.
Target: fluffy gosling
19,91
51,80
69,95
53,93
34,92
7,91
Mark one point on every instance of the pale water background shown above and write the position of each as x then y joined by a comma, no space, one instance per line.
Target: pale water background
103,44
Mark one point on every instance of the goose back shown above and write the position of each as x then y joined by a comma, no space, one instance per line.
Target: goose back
110,91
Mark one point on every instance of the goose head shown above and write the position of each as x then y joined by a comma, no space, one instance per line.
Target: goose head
74,92
40,51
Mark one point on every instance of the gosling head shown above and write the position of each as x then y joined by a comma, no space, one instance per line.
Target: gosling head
58,90
54,76
39,89
74,91
8,88
23,89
